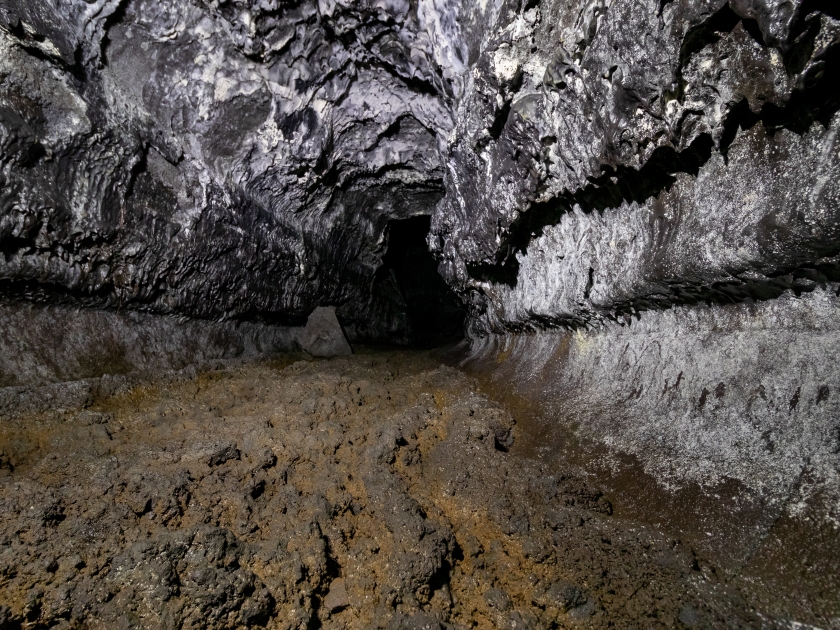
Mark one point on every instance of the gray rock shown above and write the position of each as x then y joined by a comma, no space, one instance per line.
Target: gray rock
497,599
704,395
323,336
565,596
419,621
219,160
581,160
649,189
688,123
49,344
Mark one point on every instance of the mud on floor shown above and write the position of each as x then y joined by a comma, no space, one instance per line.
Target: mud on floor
363,492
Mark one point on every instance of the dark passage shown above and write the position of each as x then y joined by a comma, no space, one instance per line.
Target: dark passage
435,313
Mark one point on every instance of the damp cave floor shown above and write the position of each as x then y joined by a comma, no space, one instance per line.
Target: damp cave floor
382,489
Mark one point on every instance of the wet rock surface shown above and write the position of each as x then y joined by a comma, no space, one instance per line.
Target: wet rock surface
630,206
580,160
218,159
616,156
368,491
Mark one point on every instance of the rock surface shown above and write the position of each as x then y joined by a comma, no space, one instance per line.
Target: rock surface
322,336
580,159
322,494
714,396
634,209
55,344
610,157
218,159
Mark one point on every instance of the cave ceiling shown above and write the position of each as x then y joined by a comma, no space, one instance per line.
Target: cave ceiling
579,160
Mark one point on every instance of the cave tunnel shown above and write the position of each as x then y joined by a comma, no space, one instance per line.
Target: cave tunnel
434,312
230,393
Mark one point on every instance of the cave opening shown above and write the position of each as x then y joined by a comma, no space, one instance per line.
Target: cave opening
434,312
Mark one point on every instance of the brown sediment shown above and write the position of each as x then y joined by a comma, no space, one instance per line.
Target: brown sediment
785,561
378,490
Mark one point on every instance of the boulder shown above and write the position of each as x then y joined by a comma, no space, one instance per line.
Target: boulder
322,336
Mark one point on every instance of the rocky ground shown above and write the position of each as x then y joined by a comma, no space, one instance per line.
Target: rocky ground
376,490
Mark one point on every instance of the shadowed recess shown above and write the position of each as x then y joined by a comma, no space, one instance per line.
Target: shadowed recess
435,314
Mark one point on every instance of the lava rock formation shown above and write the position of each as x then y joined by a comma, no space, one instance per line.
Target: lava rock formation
579,160
626,211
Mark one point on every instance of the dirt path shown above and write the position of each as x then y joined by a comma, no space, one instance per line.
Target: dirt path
370,491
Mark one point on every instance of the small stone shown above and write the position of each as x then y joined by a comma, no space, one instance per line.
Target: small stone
690,617
222,454
565,596
336,598
496,598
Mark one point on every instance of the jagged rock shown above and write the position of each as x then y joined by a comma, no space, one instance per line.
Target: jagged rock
580,159
218,159
336,598
322,336
150,535
694,140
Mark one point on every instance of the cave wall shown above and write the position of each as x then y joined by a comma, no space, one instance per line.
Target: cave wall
618,156
42,344
217,160
697,395
641,214
581,160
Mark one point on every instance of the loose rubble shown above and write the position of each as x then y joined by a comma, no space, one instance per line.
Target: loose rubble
376,490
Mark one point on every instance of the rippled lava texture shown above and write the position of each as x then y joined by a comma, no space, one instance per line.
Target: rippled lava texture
369,491
575,161
579,159
217,159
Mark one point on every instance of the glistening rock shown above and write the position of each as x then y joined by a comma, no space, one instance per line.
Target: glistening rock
240,160
218,159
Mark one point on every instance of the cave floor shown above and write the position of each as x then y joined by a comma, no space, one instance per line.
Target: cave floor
378,490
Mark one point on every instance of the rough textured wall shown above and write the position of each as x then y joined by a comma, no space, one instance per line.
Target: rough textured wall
602,180
40,345
698,395
616,156
219,159
582,159
630,169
